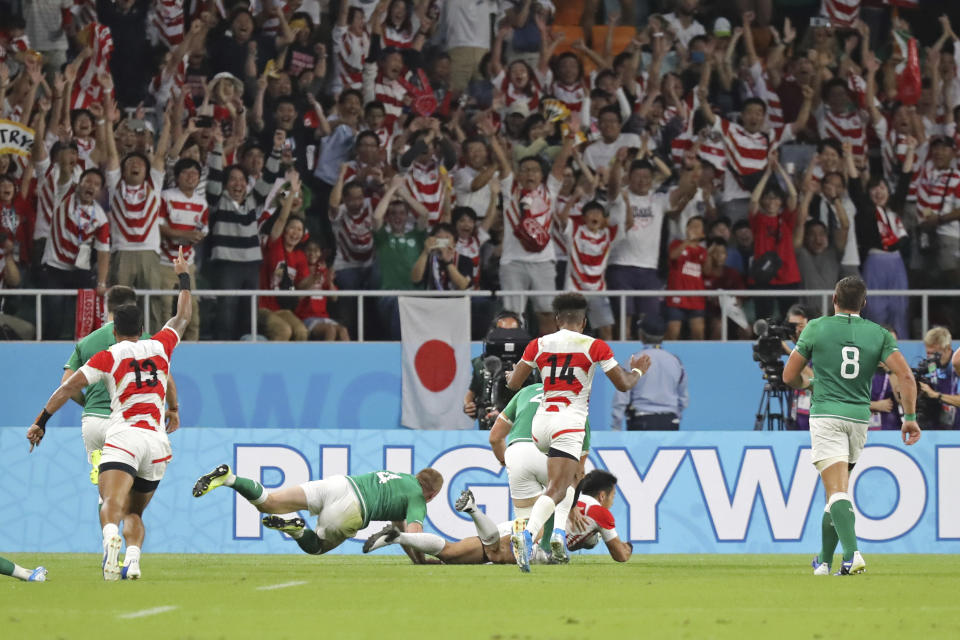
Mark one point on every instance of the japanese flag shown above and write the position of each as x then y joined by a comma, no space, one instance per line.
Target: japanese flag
435,335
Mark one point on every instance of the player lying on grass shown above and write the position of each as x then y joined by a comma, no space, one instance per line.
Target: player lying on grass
136,449
14,570
493,542
845,350
512,443
343,504
567,361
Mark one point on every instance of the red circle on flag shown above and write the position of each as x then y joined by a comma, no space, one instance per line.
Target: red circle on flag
436,365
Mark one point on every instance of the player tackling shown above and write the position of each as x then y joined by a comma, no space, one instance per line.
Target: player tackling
567,360
136,449
845,350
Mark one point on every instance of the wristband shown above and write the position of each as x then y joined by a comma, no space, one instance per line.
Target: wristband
637,371
173,408
184,281
41,420
910,417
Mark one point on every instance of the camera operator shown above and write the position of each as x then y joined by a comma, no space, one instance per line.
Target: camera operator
487,395
937,379
798,317
657,401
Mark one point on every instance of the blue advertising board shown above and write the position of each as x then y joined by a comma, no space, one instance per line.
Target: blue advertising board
684,492
357,386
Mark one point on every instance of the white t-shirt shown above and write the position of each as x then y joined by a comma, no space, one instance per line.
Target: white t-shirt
639,246
684,34
696,207
478,200
599,154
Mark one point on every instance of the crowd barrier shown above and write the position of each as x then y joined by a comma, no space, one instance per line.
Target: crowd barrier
357,386
687,492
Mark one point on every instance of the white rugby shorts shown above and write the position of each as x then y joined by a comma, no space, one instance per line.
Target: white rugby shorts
526,470
93,429
834,437
560,430
148,452
338,511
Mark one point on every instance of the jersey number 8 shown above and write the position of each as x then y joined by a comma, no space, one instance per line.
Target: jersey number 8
850,364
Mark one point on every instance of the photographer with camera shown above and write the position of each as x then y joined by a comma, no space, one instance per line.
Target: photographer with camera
502,348
937,381
439,268
657,401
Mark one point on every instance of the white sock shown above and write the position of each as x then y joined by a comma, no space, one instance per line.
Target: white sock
541,511
109,530
522,512
563,510
428,543
21,573
487,528
132,554
230,479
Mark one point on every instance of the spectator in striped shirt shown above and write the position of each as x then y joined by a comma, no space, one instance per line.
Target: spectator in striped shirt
938,206
426,165
236,216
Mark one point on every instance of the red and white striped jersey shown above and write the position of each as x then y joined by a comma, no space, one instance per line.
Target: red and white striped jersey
571,95
512,93
428,183
939,191
842,13
134,212
893,151
182,213
589,252
391,93
135,374
761,89
567,361
351,53
165,21
87,89
599,520
354,237
747,153
396,39
72,225
558,231
847,127
519,203
49,194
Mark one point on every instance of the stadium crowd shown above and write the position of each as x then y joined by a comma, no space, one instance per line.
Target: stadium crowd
531,145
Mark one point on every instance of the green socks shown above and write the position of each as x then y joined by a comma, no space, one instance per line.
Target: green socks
841,511
310,542
830,539
250,489
545,538
6,567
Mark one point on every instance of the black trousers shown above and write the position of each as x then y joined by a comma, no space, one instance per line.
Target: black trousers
654,422
233,313
60,312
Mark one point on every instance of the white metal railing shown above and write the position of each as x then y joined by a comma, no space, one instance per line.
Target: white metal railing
824,294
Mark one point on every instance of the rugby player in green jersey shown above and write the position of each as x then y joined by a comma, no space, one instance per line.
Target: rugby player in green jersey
343,504
845,350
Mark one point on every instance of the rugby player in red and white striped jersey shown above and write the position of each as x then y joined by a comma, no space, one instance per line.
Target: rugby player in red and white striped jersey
597,492
136,449
567,361
134,186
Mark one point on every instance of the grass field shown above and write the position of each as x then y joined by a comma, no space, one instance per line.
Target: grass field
705,596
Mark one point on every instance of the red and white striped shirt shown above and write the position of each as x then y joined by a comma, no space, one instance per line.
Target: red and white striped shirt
135,374
396,39
599,521
351,53
557,231
87,89
512,93
589,252
134,212
761,89
567,361
391,93
428,184
893,151
73,225
166,22
49,194
939,191
747,153
182,213
842,13
537,204
847,127
354,237
571,95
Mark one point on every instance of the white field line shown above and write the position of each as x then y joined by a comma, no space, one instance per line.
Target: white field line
143,613
282,585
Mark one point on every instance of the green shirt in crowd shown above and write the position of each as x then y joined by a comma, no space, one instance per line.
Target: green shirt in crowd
396,255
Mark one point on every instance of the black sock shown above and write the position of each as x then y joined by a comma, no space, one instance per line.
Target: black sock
310,542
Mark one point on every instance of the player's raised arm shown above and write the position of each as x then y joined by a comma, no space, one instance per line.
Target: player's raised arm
73,385
180,321
625,380
908,396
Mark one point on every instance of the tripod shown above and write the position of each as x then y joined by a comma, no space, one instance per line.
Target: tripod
773,421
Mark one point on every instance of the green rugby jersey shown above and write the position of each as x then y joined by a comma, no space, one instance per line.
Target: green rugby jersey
845,350
520,411
96,400
385,495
